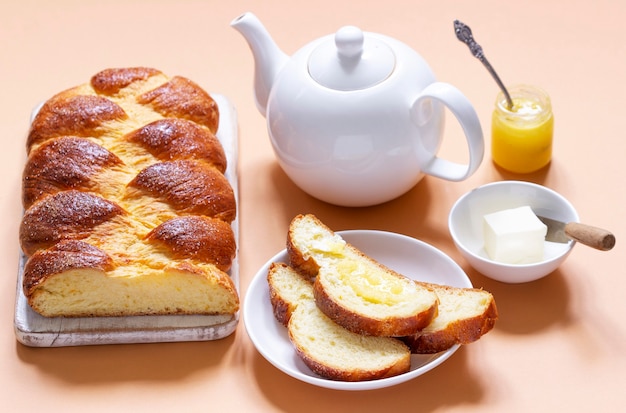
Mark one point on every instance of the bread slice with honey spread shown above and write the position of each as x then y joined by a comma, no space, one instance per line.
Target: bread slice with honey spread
325,347
353,289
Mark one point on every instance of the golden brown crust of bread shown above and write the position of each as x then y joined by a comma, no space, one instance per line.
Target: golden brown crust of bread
356,374
301,289
182,98
62,164
68,114
171,138
189,187
281,307
356,322
302,264
64,215
203,238
125,177
463,330
111,81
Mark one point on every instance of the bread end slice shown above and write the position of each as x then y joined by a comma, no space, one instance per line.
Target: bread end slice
465,315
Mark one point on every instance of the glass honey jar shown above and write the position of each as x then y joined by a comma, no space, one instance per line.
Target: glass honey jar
521,135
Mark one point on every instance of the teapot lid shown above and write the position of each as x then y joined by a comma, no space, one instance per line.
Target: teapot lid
351,62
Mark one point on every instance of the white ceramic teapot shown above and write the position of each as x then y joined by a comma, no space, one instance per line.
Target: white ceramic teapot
356,118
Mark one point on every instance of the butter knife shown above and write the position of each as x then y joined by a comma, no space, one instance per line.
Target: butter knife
562,232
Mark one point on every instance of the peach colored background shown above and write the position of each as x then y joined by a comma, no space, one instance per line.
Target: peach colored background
560,342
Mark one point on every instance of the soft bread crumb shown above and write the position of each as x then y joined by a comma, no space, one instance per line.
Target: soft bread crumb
88,293
337,353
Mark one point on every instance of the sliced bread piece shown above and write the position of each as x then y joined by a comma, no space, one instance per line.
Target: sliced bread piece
338,354
326,348
465,315
353,289
287,289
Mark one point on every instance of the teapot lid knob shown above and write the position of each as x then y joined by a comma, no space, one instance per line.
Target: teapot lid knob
352,62
349,42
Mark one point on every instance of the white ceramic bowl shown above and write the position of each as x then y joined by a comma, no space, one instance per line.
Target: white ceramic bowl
466,227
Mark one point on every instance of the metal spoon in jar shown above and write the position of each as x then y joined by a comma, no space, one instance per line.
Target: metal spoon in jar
464,34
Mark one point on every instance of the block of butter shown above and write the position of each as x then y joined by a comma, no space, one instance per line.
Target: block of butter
514,236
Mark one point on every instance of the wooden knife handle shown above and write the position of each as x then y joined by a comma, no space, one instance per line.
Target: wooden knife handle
594,237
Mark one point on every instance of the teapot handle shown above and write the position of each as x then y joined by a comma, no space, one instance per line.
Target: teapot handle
464,112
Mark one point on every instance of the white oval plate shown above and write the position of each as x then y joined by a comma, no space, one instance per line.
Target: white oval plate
413,258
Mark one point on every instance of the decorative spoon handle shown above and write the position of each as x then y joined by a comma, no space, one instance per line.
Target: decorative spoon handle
464,34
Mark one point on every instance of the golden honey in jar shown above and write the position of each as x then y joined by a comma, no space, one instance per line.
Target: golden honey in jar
521,136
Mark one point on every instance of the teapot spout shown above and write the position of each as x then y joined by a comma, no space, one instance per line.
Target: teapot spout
268,58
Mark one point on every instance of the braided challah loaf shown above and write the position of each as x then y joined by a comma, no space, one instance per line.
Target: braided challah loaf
127,208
